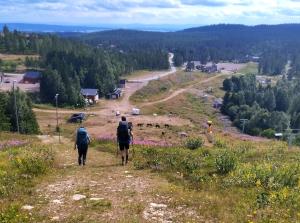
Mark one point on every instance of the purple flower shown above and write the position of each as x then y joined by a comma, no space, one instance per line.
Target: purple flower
11,143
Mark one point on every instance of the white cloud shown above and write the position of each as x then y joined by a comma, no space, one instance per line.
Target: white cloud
150,11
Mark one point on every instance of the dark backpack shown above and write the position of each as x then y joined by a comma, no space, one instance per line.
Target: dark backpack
82,137
123,134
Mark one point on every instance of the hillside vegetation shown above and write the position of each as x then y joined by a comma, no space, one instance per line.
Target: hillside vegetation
267,108
274,45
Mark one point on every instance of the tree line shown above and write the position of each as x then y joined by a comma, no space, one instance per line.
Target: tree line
267,109
26,117
274,45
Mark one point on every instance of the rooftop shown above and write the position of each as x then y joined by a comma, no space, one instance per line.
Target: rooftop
89,92
32,74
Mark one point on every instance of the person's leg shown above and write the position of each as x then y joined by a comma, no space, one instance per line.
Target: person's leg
122,148
79,154
84,152
126,152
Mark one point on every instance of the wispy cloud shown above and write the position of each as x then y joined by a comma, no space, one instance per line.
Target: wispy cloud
150,11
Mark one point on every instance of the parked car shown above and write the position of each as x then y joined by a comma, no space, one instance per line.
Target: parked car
78,117
7,81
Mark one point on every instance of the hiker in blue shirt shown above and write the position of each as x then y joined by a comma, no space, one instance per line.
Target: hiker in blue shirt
82,143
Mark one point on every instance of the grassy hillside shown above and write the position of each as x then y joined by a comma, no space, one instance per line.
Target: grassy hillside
231,182
23,163
159,89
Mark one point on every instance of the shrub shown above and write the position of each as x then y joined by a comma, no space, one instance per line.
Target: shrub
268,133
194,143
225,163
219,143
266,175
33,163
13,215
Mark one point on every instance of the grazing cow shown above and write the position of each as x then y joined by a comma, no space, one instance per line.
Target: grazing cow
149,125
140,125
163,133
167,126
157,126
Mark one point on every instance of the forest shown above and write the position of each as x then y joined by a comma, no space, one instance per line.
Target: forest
275,45
69,65
267,109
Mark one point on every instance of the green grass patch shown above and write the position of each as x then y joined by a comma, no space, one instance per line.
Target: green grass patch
251,68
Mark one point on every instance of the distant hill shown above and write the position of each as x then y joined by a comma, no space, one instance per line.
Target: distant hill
273,44
43,28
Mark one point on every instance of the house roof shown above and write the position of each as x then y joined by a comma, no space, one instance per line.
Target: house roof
89,92
32,74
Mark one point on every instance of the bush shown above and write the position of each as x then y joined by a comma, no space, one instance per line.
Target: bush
225,163
268,133
220,143
13,215
194,143
33,163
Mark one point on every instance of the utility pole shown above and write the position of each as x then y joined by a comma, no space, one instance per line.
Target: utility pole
243,121
57,127
16,108
291,136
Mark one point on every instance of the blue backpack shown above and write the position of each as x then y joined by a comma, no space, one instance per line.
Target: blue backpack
82,137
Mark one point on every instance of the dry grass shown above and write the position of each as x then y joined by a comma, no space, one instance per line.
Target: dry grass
162,88
15,57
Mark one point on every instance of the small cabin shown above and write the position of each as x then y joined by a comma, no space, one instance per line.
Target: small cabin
122,83
32,77
90,94
116,94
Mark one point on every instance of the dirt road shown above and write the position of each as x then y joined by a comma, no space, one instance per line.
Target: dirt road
182,90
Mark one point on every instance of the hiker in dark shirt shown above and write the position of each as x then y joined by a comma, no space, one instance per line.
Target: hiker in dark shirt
82,143
124,138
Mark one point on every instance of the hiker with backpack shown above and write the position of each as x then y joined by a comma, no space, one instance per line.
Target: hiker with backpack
124,136
82,142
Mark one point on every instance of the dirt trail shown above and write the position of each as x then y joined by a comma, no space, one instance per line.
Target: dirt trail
182,90
104,191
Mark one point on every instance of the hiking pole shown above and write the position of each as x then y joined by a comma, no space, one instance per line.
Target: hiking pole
133,152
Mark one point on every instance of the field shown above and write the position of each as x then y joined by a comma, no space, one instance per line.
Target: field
159,89
14,63
251,68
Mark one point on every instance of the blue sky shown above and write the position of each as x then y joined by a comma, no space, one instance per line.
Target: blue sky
194,12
